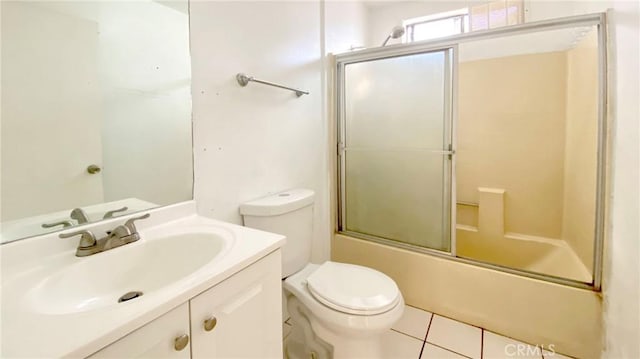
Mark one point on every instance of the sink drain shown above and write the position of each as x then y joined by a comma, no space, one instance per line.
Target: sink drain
129,296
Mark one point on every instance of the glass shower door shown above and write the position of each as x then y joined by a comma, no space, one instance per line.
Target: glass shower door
395,149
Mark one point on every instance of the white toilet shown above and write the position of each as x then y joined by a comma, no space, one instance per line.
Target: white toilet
337,310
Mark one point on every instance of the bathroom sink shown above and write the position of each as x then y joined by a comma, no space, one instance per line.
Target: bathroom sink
57,305
143,267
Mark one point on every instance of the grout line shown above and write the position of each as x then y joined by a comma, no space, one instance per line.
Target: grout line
395,330
449,350
441,347
406,335
471,325
421,350
429,326
424,341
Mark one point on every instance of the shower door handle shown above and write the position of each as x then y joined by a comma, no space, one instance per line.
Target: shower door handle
449,152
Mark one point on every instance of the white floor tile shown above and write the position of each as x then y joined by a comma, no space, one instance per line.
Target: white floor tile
552,355
400,346
499,347
455,336
414,322
433,352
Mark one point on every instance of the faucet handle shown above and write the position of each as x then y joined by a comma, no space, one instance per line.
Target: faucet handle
130,222
79,215
110,214
87,238
64,224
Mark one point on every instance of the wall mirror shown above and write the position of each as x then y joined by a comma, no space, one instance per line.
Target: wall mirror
487,148
96,111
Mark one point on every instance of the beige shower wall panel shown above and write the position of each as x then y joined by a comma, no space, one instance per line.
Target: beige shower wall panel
581,148
511,135
530,310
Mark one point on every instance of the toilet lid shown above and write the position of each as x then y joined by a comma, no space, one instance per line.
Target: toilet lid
353,289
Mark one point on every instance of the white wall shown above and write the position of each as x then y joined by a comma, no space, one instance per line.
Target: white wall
622,270
345,25
536,10
256,140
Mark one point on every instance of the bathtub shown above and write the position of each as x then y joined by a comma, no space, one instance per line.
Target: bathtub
527,309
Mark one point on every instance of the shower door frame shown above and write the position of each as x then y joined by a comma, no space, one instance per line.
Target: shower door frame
599,21
450,70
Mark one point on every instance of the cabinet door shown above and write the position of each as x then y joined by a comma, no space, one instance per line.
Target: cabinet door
155,340
246,309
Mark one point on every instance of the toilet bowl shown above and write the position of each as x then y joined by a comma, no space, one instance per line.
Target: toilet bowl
346,306
337,310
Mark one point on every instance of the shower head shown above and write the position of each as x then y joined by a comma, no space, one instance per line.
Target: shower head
395,33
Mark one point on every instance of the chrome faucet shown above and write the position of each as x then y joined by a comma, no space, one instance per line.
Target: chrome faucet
79,215
119,236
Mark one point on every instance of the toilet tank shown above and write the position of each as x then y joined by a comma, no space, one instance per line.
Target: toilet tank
289,213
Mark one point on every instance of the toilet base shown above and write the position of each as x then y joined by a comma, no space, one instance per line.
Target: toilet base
310,338
302,342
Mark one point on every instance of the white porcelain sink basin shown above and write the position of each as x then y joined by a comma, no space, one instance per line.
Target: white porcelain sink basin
98,281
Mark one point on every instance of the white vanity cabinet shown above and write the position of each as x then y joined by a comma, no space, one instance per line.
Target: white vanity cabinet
239,317
159,339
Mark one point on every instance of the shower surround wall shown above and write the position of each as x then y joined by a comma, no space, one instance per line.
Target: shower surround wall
513,137
540,149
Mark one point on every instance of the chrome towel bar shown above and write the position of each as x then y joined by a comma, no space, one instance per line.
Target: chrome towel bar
243,80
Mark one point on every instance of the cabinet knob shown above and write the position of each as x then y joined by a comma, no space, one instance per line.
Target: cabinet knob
210,323
181,342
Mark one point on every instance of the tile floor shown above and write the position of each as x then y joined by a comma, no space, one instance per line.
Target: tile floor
423,335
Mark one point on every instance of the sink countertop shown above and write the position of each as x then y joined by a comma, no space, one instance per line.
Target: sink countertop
26,332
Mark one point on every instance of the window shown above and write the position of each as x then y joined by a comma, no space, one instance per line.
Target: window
438,25
481,17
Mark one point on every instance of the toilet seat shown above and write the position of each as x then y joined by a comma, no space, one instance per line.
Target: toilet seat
353,289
